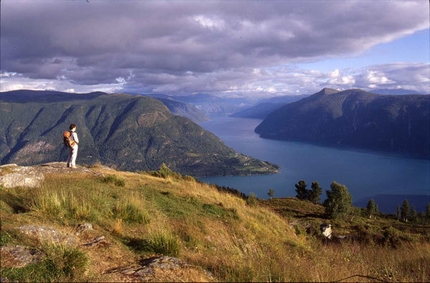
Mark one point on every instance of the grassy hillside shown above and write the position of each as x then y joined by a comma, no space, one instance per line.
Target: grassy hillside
141,215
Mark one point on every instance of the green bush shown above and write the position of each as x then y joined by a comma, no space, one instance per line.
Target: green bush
165,172
252,199
338,202
391,237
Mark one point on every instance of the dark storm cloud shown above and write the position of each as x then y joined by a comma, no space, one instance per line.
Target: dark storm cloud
188,46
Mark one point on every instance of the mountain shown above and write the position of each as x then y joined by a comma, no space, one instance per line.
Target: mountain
176,107
393,91
211,104
185,110
123,131
264,107
355,118
208,103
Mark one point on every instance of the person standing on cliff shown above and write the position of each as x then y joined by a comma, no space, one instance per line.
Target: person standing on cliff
73,148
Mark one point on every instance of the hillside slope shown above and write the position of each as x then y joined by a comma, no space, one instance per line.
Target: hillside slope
355,118
96,224
116,224
126,132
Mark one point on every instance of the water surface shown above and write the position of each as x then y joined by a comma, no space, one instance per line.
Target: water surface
389,179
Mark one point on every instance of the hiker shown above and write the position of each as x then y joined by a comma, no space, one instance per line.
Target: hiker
73,147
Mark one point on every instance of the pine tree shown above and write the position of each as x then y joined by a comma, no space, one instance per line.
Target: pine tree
339,201
405,210
302,192
399,214
372,208
271,193
426,214
413,214
315,193
428,210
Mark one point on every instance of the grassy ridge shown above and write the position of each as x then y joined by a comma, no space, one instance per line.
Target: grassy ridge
141,214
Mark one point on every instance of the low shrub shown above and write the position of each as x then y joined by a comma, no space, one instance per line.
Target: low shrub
161,243
252,200
117,181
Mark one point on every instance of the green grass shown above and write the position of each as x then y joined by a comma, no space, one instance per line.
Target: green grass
117,181
160,243
130,213
61,264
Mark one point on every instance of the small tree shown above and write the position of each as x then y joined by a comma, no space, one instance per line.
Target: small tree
371,208
315,193
398,213
271,193
339,201
405,210
413,214
428,210
302,192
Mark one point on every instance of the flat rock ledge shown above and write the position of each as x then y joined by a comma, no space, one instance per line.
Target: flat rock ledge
164,269
13,175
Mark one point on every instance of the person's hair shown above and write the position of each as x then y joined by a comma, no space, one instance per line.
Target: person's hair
72,126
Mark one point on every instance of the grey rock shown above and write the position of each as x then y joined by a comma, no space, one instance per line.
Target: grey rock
83,227
19,256
48,234
12,175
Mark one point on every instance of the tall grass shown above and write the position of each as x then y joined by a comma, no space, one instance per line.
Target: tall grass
235,239
360,262
94,200
160,243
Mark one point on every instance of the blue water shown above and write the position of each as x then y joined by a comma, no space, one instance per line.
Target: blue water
389,179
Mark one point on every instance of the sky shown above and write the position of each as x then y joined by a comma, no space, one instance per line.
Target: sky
228,48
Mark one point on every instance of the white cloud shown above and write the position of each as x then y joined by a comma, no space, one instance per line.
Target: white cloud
412,76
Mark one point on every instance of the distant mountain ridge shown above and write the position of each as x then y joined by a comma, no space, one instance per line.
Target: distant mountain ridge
355,118
208,103
176,107
266,106
123,131
393,91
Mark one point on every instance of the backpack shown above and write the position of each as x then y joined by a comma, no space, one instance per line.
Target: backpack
66,139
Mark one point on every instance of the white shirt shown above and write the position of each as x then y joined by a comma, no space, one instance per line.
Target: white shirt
75,137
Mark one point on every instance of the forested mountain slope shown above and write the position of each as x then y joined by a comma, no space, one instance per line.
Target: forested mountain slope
123,131
355,118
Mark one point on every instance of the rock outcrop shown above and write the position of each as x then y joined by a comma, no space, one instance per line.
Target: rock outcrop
12,175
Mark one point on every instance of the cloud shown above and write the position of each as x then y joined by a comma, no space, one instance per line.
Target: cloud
412,76
181,47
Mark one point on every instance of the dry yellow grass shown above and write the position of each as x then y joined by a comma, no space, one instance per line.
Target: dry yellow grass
204,227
